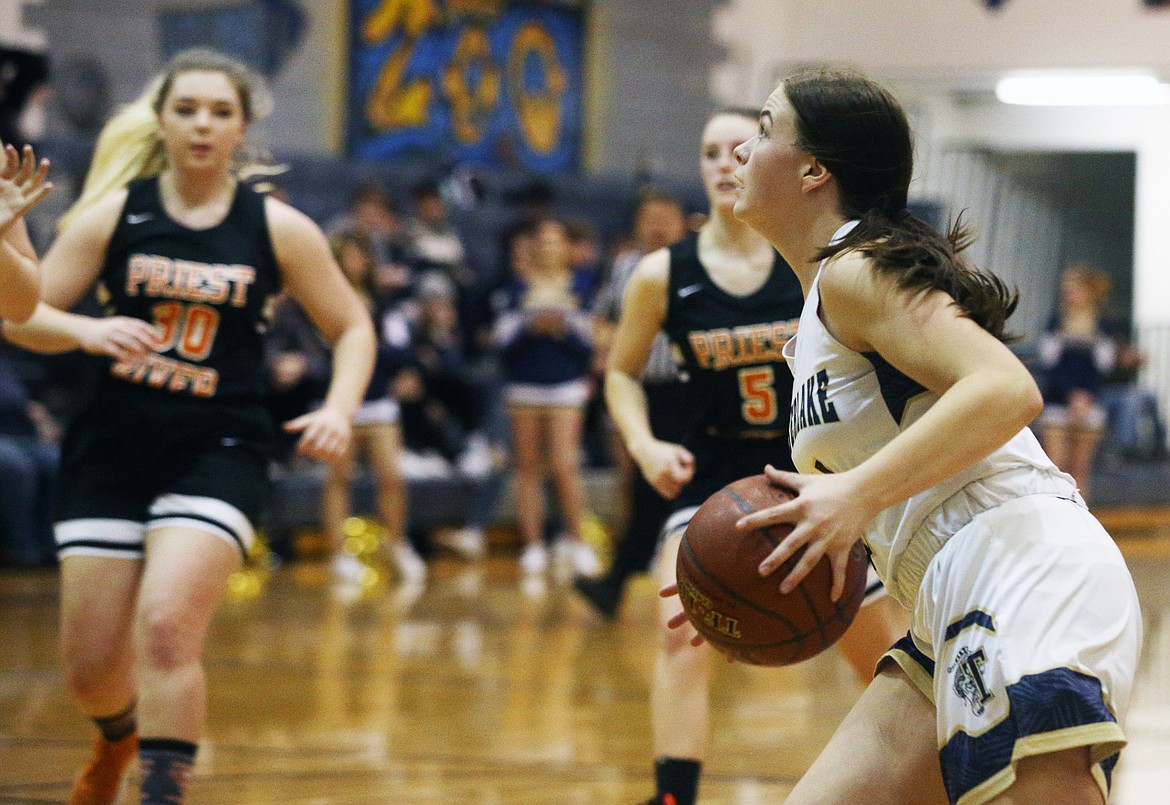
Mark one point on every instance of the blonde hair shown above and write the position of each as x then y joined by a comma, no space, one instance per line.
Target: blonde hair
129,146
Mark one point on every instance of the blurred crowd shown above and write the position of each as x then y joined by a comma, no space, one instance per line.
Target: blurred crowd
496,376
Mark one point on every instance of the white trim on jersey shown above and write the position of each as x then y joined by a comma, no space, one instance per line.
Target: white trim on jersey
100,536
203,514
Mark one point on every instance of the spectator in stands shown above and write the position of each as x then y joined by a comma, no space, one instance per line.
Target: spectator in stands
376,438
1078,350
29,455
1136,428
586,246
585,243
432,242
659,222
373,216
466,406
438,402
545,335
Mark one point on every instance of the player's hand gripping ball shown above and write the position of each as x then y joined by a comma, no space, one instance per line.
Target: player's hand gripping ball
743,614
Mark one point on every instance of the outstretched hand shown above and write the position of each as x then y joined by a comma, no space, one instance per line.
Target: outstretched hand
23,184
325,433
829,514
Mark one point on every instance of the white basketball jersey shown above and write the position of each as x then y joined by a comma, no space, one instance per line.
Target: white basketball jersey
847,405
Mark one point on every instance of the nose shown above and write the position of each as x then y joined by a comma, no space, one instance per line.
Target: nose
203,118
744,150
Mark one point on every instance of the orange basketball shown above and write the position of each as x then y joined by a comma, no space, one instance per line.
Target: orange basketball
743,614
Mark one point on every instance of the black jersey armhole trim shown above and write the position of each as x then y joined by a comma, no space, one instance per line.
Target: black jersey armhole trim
897,389
246,194
683,254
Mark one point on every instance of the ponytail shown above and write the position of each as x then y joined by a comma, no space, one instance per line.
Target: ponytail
129,148
923,259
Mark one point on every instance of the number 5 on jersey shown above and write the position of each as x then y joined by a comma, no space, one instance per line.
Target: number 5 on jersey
757,387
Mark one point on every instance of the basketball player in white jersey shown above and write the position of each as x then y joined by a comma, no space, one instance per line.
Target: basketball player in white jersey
911,434
719,286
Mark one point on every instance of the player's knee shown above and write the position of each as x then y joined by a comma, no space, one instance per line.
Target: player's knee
83,680
164,641
87,670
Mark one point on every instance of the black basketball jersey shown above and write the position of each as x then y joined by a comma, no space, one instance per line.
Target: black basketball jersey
205,290
730,346
740,386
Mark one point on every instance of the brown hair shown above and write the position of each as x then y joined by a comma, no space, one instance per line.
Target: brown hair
860,133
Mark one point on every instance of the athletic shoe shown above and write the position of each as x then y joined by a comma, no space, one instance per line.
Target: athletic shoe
534,560
347,568
468,543
103,778
665,799
411,567
585,561
603,593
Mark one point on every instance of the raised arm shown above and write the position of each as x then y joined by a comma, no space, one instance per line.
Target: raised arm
314,279
70,268
666,466
22,186
986,396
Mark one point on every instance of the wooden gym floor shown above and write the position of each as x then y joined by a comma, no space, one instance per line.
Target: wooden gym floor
481,689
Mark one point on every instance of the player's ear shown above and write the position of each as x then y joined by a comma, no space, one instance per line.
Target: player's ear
814,174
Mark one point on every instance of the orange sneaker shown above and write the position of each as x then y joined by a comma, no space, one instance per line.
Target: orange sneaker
102,778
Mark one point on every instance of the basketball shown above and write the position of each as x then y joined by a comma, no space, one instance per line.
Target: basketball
743,614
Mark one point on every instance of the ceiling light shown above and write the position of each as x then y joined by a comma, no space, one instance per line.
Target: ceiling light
1083,90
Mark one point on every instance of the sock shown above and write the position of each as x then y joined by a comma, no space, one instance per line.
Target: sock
166,769
678,777
116,727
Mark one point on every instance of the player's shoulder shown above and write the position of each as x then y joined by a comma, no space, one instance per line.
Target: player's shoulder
102,216
286,222
653,269
284,215
852,279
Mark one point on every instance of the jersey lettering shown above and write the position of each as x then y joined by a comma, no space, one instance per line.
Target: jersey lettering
158,372
163,278
723,347
811,405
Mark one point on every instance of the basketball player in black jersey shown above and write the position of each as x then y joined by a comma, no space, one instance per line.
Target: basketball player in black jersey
164,471
22,186
728,303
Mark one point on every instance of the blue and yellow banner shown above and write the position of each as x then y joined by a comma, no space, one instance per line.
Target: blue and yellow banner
481,80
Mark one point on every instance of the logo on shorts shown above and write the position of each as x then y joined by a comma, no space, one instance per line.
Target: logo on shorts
968,683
